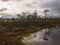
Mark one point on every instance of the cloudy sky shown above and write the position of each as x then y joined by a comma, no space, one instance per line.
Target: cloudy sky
17,6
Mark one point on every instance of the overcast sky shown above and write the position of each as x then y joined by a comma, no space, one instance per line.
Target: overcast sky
17,6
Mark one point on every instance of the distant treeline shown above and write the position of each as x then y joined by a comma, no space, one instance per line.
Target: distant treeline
25,21
28,16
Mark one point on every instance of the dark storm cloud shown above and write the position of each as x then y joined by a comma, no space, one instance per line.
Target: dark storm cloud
33,4
3,9
28,5
5,0
53,5
11,0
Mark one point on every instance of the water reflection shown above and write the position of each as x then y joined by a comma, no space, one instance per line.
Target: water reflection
37,38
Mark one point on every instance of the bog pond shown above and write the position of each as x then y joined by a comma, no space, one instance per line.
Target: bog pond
38,37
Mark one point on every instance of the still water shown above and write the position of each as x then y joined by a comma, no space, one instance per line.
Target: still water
37,38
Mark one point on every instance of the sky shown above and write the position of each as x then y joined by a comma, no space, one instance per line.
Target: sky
17,6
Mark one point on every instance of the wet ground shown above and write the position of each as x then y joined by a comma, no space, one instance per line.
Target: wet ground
37,38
